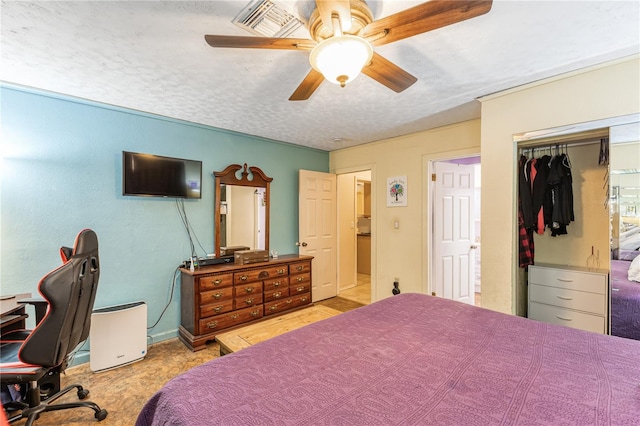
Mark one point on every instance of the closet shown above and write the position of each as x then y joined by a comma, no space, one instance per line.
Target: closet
564,228
605,236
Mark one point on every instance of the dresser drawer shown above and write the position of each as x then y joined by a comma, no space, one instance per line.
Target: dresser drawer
299,267
569,279
216,308
296,280
248,289
230,319
259,274
566,317
571,299
277,294
288,303
276,284
299,288
220,294
245,301
211,282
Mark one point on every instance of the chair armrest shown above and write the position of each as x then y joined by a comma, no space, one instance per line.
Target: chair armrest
39,304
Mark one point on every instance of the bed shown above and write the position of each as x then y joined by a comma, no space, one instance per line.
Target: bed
625,301
412,359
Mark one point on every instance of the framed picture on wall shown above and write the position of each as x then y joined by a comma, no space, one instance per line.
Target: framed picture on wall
397,191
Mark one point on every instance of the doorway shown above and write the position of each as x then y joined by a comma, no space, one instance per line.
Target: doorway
355,235
455,190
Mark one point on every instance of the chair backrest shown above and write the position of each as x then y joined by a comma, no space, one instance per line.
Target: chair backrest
70,292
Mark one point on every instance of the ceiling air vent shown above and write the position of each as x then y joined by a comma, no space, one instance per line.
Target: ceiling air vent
265,18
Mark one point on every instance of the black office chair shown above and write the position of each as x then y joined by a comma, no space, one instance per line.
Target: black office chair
29,356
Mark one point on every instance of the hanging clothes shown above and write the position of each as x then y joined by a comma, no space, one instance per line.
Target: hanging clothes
525,234
545,200
561,185
603,158
539,192
524,192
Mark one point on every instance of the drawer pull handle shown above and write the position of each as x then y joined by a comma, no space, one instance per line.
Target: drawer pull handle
289,301
273,308
235,316
212,324
564,298
304,299
277,284
217,282
243,278
281,271
300,279
563,318
277,294
249,301
217,309
217,295
249,289
564,280
254,313
299,268
300,289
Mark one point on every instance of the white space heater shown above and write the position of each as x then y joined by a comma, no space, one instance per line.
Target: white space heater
118,336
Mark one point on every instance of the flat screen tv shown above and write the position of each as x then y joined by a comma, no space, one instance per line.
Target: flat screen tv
157,176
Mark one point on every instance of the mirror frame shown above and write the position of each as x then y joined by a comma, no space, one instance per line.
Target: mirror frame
229,177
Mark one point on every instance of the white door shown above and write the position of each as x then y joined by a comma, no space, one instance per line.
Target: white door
453,232
317,234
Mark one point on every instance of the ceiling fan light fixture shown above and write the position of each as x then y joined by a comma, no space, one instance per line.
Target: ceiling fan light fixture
341,59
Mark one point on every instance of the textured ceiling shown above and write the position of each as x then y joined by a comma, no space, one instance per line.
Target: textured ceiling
151,56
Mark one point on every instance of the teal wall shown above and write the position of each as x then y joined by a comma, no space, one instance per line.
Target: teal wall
61,172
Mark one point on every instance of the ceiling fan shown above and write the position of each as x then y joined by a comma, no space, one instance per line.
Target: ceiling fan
343,34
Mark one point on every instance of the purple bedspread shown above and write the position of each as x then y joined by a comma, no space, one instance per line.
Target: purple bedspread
413,359
625,302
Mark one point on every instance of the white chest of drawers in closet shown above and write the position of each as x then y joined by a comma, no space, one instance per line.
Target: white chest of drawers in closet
570,296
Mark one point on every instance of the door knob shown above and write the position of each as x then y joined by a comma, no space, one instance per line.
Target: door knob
303,244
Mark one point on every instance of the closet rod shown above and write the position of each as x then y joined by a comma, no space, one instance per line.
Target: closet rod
547,145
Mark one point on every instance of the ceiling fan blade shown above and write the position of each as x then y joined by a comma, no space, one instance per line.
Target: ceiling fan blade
259,42
342,7
422,18
389,74
308,86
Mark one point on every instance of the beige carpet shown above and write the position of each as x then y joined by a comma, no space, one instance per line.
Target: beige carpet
123,391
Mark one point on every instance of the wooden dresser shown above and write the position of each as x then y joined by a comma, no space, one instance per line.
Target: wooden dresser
221,297
571,296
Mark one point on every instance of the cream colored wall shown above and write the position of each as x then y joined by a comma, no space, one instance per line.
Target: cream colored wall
594,94
402,253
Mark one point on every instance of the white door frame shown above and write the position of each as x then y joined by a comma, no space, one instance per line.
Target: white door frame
374,236
428,169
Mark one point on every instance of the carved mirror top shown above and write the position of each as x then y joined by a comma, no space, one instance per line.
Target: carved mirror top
229,176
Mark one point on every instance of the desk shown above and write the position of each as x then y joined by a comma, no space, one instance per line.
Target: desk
12,313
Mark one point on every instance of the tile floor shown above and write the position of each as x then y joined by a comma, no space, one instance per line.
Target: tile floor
361,293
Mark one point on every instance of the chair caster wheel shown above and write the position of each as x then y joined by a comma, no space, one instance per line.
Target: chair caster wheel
82,393
101,415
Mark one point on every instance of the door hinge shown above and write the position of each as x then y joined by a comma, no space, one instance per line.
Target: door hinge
433,177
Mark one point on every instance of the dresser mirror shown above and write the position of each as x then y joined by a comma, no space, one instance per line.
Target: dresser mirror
241,209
